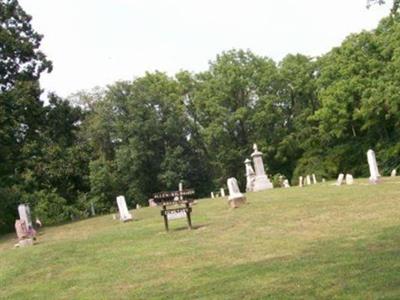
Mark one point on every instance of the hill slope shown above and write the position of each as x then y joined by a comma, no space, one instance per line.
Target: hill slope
320,241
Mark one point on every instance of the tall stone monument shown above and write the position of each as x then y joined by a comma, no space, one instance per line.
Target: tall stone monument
124,214
256,179
373,167
236,198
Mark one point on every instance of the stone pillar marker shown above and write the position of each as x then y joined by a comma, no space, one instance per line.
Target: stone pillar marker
314,179
301,181
124,214
373,167
308,178
393,173
222,192
212,195
261,181
236,198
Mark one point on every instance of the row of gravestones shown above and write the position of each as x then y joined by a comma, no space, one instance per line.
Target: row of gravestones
256,181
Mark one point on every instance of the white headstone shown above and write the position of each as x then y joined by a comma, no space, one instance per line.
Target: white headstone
308,178
25,214
286,183
260,181
340,179
314,179
373,167
301,181
349,179
212,195
323,180
222,192
124,214
236,198
393,173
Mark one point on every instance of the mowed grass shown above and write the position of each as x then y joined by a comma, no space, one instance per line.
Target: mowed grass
320,242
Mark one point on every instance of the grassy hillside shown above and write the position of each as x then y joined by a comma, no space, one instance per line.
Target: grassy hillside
319,242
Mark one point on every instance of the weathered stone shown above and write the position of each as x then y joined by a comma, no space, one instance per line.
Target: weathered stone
308,178
286,183
301,181
314,179
236,198
123,209
393,173
373,167
21,229
25,215
340,179
349,179
222,192
256,179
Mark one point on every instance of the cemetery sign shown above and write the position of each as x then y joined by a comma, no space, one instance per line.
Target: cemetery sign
180,200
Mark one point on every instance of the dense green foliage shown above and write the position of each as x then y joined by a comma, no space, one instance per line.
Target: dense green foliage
307,115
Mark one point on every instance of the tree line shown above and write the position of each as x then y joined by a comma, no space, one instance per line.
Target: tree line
307,115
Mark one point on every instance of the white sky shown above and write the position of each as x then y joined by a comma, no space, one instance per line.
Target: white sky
97,42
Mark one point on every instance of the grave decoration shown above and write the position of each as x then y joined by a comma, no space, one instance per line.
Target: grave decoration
179,203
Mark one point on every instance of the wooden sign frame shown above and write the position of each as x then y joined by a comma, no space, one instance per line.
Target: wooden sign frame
181,199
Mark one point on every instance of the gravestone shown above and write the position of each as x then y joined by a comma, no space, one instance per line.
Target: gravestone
314,179
212,195
286,183
301,181
373,167
393,173
25,215
340,179
152,203
222,192
323,180
21,229
236,198
308,178
256,180
124,214
349,179
250,175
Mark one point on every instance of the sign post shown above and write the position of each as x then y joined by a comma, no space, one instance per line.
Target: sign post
181,200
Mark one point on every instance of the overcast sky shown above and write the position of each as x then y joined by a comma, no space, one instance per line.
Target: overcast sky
97,42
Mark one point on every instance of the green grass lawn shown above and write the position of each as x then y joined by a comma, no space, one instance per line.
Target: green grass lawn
317,242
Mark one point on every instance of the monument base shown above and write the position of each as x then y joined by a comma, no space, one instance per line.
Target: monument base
236,201
262,183
126,219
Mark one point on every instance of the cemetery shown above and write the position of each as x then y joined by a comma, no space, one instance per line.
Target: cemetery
134,165
290,242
